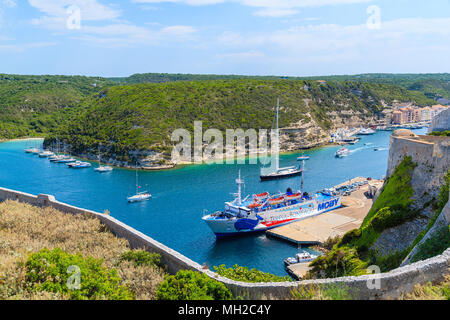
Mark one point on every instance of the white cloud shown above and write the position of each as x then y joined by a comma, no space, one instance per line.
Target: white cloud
113,33
237,56
9,3
400,45
91,10
178,30
26,46
265,8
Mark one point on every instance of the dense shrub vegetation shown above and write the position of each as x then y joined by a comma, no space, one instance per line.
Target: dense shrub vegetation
429,85
122,119
192,285
35,105
142,258
54,270
440,133
434,245
39,244
245,274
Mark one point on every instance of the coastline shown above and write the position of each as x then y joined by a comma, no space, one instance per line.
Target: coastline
166,167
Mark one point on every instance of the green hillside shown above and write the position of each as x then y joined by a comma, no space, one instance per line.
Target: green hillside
33,105
143,116
433,85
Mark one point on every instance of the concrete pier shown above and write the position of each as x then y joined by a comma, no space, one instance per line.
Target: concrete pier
317,229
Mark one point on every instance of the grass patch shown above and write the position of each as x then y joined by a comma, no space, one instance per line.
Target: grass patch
429,291
434,245
192,285
245,274
397,191
328,292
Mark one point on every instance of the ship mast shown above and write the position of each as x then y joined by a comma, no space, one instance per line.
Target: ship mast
303,170
239,182
277,141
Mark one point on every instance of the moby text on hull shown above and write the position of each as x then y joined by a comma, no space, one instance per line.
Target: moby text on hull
262,212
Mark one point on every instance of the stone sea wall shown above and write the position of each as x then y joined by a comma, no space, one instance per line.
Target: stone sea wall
391,284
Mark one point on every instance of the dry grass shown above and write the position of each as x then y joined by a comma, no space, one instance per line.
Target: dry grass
440,291
25,229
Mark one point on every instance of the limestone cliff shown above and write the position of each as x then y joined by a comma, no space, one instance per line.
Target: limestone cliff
431,156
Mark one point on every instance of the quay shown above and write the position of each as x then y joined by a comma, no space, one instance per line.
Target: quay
318,229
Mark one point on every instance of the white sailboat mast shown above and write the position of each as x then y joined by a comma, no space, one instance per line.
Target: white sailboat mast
137,183
277,141
239,193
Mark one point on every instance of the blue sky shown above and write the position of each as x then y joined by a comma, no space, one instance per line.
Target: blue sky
254,37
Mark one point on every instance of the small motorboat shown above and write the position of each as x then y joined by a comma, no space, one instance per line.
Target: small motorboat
32,150
66,160
79,165
141,196
103,169
57,158
281,173
366,131
342,152
46,154
301,257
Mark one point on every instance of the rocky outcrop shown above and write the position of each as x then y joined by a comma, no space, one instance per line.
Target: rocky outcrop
443,220
432,158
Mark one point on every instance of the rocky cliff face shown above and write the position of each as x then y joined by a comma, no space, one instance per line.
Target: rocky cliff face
432,158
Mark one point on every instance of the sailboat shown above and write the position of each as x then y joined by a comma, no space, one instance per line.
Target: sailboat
139,196
276,172
101,168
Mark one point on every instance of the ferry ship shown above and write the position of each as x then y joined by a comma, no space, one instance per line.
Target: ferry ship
264,211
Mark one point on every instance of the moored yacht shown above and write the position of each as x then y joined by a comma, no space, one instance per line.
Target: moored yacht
140,195
275,172
32,150
79,164
46,154
100,167
366,131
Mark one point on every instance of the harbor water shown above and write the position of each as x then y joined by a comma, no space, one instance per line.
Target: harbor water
180,196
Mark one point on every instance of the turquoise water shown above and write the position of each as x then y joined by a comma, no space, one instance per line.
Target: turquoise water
173,215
